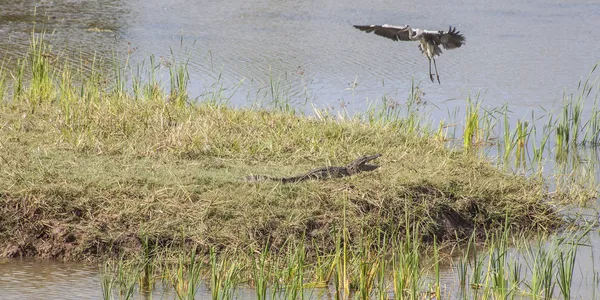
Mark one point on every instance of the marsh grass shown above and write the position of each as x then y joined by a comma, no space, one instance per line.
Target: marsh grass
472,131
109,170
501,267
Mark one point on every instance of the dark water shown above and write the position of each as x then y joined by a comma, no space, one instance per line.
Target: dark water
523,53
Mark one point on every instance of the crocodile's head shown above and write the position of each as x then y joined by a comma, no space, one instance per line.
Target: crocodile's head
366,167
363,166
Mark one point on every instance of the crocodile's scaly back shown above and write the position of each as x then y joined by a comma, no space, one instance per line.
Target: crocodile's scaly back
356,166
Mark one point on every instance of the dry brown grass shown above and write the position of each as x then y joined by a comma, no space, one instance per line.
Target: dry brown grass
88,171
126,170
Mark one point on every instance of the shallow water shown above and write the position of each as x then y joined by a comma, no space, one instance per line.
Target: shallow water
521,53
33,279
585,283
38,279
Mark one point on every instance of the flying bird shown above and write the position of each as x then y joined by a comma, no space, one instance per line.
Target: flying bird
430,40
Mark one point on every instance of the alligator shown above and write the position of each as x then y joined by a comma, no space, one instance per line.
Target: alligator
356,166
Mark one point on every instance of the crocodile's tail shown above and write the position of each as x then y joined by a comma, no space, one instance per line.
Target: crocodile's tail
257,178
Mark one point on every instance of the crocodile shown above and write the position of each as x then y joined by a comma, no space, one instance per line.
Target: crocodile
356,166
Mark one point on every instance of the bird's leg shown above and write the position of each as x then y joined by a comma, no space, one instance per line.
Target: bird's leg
430,74
436,72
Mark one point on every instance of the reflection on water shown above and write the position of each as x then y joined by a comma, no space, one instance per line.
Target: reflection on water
84,28
522,53
38,279
585,282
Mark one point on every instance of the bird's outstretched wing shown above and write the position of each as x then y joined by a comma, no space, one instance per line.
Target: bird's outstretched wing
396,33
451,39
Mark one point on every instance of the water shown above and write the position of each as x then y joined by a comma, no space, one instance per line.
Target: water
34,279
522,53
39,279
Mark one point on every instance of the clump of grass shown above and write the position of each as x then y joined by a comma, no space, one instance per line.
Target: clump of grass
406,269
120,277
503,266
95,172
153,168
98,172
222,279
541,285
472,130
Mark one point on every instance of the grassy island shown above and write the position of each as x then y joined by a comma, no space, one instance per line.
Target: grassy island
88,171
93,167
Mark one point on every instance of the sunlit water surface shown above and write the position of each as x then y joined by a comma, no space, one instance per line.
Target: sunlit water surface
524,53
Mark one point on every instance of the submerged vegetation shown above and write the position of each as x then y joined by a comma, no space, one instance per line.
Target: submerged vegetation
97,165
501,267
